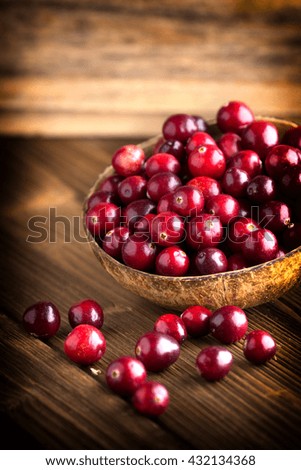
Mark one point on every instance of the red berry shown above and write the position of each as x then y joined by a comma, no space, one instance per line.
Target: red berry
208,186
165,203
85,344
187,201
229,144
238,232
167,229
42,320
293,137
172,261
201,123
114,240
214,362
245,208
234,117
128,160
196,320
235,182
179,127
236,262
157,351
174,147
197,140
136,210
259,347
132,188
143,225
162,162
260,246
275,216
204,231
261,189
260,136
138,252
292,237
125,375
290,182
172,325
101,196
211,261
248,161
228,324
110,184
86,312
151,399
207,160
223,206
280,158
161,184
102,218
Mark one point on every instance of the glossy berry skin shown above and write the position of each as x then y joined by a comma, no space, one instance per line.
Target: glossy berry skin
211,261
173,147
259,347
114,240
132,188
292,237
245,208
292,137
165,203
228,324
238,232
260,136
223,206
157,351
179,127
235,182
230,144
172,261
42,320
137,209
87,312
85,344
261,189
200,123
204,231
162,162
197,140
101,196
214,362
275,216
290,182
207,160
125,375
208,186
260,246
161,184
280,158
167,229
234,117
110,184
172,325
236,262
102,218
128,160
143,225
196,320
187,201
151,399
138,252
248,161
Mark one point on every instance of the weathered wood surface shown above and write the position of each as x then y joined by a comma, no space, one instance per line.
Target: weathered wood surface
61,405
118,68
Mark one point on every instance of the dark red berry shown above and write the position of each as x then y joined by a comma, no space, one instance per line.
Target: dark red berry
248,161
245,208
207,160
260,246
86,312
238,232
143,225
172,261
172,325
42,320
85,344
132,188
259,347
165,203
293,137
275,216
260,136
125,375
162,162
157,351
292,237
128,160
228,324
211,261
234,117
214,362
229,144
138,252
167,229
235,182
196,320
110,184
161,184
102,218
236,262
101,196
197,140
290,182
174,147
187,201
201,123
179,127
151,399
137,209
114,240
208,186
261,189
223,206
204,231
280,158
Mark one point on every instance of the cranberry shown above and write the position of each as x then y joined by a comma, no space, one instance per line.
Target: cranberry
211,261
102,218
228,324
86,312
114,240
165,203
280,158
172,325
167,229
261,189
187,201
214,362
174,147
248,161
158,144
132,188
259,347
125,375
275,216
290,182
197,140
236,262
260,246
229,144
137,209
85,344
110,184
179,127
157,351
143,225
235,182
223,206
260,136
281,252
245,208
139,253
162,162
204,231
42,320
238,232
151,399
292,237
172,261
161,184
128,160
200,123
234,117
196,320
101,196
208,186
293,137
207,160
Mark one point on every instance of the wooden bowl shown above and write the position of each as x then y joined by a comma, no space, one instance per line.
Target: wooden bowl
245,288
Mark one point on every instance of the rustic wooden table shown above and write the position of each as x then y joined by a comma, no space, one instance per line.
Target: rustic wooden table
53,403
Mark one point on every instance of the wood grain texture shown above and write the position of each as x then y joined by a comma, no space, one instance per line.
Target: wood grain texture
65,406
118,68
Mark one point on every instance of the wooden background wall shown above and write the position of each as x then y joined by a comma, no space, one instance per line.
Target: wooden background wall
117,67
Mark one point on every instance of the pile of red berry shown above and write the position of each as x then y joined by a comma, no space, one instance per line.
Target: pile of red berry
199,205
